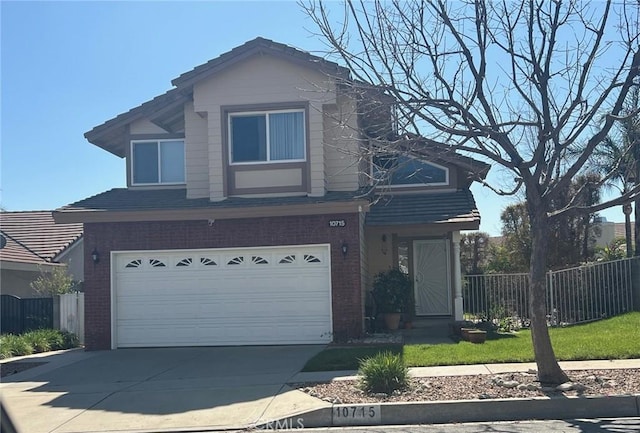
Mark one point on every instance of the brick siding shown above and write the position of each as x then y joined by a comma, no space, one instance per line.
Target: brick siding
165,235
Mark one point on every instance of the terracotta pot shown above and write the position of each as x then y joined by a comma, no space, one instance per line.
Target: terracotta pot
477,337
392,320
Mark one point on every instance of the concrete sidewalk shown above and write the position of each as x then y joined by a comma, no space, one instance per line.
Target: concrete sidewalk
458,411
208,389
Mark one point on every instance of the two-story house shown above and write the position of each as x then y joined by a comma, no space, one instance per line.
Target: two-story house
250,216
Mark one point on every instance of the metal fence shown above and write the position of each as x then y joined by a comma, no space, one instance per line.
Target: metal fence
574,295
20,315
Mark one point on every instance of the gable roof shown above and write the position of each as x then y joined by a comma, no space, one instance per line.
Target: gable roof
259,46
34,237
166,110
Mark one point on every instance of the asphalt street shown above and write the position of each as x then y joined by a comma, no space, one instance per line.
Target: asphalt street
600,425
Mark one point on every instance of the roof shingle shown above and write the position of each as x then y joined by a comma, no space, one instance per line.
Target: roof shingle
122,199
34,237
444,207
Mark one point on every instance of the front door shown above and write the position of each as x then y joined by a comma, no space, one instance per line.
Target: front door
431,277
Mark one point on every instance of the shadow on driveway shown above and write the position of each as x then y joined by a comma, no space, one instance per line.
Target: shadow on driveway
164,381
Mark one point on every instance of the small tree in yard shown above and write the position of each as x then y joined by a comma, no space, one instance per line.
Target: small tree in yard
57,281
520,84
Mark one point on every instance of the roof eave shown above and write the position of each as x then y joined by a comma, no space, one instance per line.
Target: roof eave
207,213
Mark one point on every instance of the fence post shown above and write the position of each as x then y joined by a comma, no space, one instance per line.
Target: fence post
56,311
551,298
635,284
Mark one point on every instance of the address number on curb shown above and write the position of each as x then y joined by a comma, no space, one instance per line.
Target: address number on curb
356,415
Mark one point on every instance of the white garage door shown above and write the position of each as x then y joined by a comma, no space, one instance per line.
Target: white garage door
248,296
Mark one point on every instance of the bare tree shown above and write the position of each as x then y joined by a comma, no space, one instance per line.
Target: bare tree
520,84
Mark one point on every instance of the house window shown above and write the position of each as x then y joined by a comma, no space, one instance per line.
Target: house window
157,162
402,170
267,136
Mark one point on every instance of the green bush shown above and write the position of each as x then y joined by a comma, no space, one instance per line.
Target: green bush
383,373
392,291
42,340
15,345
39,340
69,340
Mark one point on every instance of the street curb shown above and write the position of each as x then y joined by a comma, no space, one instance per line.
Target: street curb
457,411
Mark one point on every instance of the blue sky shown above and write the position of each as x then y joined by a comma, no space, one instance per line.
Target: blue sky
69,66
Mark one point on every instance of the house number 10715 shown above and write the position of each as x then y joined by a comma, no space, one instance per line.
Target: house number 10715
337,223
356,415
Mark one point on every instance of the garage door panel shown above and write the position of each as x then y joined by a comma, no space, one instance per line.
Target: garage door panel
230,297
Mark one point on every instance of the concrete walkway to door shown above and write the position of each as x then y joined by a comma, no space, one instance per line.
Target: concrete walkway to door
157,389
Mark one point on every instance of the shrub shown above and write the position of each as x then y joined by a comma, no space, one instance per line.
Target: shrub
42,340
69,340
56,281
15,345
39,340
392,291
383,373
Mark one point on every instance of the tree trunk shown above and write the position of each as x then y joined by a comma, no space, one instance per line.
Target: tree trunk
549,370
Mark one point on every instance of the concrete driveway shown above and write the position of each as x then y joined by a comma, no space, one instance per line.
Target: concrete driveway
158,389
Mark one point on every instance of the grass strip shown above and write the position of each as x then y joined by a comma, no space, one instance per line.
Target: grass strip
614,338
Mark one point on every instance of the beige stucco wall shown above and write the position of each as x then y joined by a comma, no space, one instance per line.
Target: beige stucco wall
341,145
268,178
18,283
263,80
74,259
196,152
144,126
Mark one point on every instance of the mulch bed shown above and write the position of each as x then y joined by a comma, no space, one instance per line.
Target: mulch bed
9,368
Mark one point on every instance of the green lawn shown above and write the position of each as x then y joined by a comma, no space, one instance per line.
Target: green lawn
615,338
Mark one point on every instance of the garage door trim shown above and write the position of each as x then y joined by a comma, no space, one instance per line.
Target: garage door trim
116,268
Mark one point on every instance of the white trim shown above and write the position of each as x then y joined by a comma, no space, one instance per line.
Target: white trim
158,141
266,114
112,299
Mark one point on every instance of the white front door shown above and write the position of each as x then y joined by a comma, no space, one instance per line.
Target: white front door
432,277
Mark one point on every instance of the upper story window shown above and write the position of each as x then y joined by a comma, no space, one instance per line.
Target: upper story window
157,162
402,170
267,136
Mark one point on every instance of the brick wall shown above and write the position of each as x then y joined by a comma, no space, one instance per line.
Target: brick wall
163,235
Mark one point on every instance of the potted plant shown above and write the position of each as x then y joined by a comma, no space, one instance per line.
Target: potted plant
392,293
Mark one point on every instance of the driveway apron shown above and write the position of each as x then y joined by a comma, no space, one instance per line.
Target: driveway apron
157,389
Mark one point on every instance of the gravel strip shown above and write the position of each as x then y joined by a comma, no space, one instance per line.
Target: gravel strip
508,385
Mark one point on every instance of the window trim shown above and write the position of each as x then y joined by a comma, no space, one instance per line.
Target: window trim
388,184
266,113
157,141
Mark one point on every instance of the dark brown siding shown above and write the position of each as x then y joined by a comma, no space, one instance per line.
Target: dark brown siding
249,232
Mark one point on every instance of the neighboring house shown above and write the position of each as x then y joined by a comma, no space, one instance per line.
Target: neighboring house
36,244
249,215
610,231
